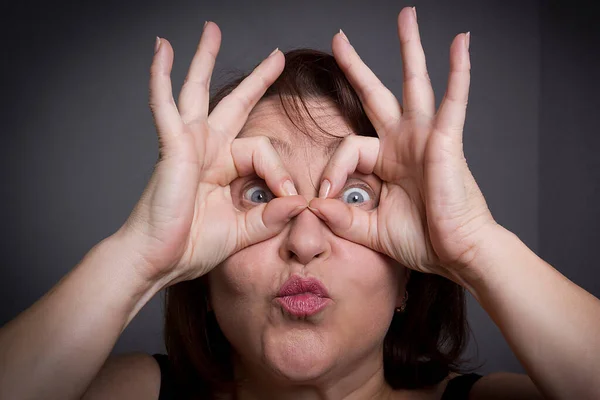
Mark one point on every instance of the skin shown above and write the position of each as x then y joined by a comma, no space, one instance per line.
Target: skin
431,217
315,357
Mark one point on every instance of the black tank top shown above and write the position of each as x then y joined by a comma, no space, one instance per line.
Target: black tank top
457,389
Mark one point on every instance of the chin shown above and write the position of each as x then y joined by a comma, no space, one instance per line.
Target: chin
299,355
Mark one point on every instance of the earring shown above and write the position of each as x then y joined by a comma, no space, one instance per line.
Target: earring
403,306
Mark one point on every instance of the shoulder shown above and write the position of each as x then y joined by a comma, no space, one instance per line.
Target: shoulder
126,376
455,386
505,385
495,386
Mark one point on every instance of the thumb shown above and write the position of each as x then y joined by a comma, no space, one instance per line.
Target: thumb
267,220
348,222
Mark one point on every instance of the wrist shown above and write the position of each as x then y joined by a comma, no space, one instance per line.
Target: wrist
495,249
127,245
116,254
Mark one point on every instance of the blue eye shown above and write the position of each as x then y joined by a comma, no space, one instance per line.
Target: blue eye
355,195
258,194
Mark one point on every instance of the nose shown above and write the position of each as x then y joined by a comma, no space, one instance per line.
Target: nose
306,239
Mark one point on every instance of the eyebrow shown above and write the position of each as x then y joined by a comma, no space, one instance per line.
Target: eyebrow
286,149
281,146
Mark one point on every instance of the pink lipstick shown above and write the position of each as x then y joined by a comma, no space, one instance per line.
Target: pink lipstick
303,297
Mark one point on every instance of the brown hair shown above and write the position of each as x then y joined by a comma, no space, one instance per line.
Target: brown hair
423,343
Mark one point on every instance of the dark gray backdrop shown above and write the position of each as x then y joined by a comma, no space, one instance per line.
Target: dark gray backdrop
79,145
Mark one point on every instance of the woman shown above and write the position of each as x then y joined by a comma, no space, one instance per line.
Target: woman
275,292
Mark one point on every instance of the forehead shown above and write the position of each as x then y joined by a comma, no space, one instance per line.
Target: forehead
269,118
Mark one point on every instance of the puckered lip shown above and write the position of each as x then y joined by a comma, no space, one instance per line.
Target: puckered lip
298,285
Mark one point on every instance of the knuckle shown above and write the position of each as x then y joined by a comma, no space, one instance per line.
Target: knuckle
414,77
352,140
263,142
243,100
156,104
457,99
156,73
369,92
202,82
154,107
348,64
212,55
347,143
263,81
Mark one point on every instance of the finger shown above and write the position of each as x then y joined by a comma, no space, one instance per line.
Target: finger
230,115
417,93
267,220
355,153
257,155
380,104
195,93
450,118
348,222
164,111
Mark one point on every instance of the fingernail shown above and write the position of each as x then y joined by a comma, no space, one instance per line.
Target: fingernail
343,35
157,45
205,22
415,12
318,213
324,190
468,40
289,188
274,52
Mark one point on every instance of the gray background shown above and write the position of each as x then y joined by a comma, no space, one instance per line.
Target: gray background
79,145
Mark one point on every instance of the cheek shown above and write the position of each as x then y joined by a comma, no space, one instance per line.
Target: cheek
240,290
369,284
243,277
371,274
363,284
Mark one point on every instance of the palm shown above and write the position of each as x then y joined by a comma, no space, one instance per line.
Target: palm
218,229
402,212
431,212
214,228
186,223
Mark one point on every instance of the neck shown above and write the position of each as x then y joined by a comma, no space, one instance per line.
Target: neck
362,379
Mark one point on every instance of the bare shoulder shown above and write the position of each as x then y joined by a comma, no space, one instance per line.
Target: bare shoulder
504,385
126,376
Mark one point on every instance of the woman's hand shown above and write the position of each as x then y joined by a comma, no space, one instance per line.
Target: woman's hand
431,215
185,222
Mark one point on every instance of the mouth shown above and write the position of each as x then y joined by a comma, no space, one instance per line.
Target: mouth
303,297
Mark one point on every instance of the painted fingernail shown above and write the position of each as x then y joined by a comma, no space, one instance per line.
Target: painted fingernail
157,45
274,52
289,188
415,12
324,190
343,35
468,40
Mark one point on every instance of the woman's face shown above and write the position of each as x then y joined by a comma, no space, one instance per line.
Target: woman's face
363,286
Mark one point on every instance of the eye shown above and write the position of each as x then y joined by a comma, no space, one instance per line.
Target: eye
355,195
258,194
